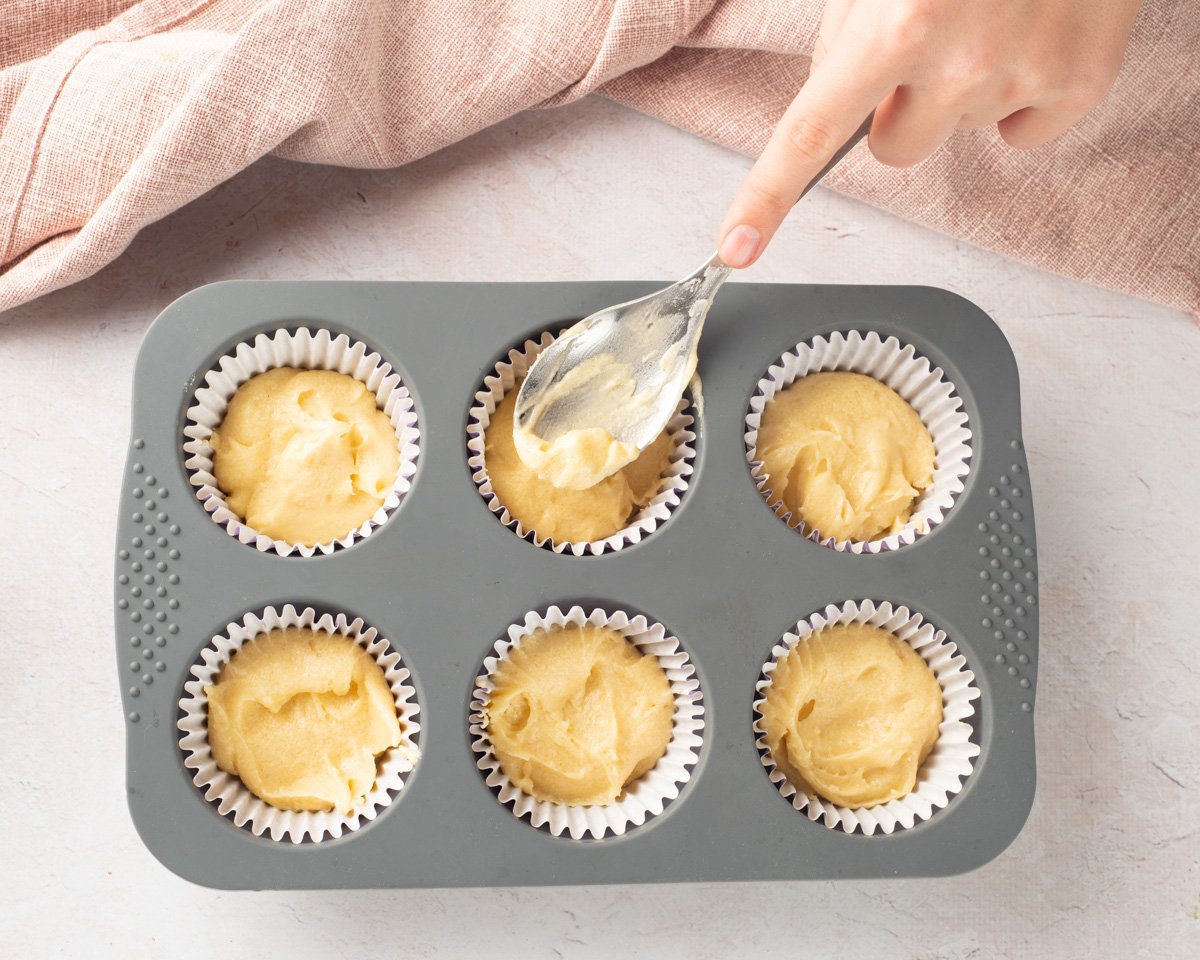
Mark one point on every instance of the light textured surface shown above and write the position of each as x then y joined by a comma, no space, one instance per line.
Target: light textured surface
1109,863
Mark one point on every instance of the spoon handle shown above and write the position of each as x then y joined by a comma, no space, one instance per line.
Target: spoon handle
863,129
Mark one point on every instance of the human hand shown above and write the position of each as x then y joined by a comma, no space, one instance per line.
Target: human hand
928,67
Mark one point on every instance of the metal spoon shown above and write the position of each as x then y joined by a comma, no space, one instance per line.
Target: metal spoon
623,369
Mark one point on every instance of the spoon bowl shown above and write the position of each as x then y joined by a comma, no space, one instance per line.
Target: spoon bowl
622,369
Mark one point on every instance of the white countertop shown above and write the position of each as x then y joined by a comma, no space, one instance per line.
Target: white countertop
1109,862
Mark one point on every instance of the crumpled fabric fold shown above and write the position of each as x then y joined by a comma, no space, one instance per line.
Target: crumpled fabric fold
114,113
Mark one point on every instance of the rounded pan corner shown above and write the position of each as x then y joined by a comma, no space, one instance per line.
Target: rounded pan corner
1019,816
941,293
201,292
181,867
161,325
958,302
181,310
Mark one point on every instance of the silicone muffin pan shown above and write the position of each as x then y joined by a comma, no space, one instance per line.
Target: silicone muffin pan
443,579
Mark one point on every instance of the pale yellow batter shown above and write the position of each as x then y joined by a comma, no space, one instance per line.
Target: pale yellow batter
851,713
600,391
604,396
577,714
577,460
563,515
846,454
301,717
304,456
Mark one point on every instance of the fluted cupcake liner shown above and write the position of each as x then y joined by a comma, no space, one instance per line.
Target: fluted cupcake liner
510,371
925,387
305,350
229,795
648,796
949,762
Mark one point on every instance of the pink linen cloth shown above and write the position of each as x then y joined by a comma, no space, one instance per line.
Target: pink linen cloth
116,112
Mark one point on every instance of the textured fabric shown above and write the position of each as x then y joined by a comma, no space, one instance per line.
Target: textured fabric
116,112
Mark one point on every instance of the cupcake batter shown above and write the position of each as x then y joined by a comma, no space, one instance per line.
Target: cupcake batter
301,716
604,395
846,455
565,515
577,714
851,713
304,456
581,458
577,460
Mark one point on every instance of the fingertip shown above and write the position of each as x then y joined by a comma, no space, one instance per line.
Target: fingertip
740,247
891,155
1029,128
1017,138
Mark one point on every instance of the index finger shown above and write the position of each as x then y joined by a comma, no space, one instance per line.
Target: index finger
830,109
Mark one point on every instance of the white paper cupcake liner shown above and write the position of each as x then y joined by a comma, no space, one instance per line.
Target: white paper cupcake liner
671,488
924,386
306,350
949,762
227,792
648,795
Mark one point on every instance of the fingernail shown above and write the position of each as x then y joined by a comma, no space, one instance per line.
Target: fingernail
740,245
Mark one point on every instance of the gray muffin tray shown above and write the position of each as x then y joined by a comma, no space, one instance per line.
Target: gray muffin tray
442,579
